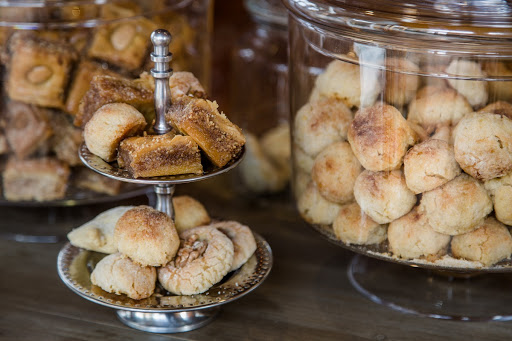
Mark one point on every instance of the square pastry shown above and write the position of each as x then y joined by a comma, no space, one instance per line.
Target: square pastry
38,70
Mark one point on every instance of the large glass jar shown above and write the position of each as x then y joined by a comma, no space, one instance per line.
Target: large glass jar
258,99
50,52
401,116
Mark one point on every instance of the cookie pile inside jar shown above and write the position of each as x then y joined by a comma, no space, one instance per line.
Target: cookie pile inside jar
412,155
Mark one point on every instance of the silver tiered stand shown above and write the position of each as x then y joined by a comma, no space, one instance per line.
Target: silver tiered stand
162,313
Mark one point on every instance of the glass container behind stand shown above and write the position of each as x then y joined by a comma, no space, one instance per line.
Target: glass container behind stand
259,99
402,135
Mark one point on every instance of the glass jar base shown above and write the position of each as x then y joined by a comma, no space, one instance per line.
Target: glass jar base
447,296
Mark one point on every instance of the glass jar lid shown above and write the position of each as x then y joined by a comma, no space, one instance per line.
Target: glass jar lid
475,26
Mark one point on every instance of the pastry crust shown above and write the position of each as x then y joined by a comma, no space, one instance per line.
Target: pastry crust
159,155
183,83
88,179
66,139
147,236
353,226
109,126
380,137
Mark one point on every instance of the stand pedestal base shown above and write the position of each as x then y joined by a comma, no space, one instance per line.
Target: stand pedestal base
449,296
177,322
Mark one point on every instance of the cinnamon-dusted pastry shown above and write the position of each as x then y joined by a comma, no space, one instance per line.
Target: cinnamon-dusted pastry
37,179
488,244
204,258
98,233
430,164
86,71
119,274
411,236
474,91
158,155
218,137
483,145
124,43
109,126
500,190
380,136
88,179
66,139
320,123
456,207
182,83
353,226
27,128
401,81
314,208
147,236
242,238
106,89
38,70
188,213
498,108
384,196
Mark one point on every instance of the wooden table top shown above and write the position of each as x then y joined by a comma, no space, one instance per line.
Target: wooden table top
306,297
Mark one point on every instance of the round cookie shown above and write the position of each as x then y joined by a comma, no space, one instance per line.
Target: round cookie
335,171
498,108
275,144
352,226
204,258
456,207
401,82
109,125
147,236
411,236
379,137
342,80
302,161
188,213
118,274
474,91
500,190
443,132
499,90
242,238
314,208
300,183
437,105
384,196
430,164
483,145
320,123
488,244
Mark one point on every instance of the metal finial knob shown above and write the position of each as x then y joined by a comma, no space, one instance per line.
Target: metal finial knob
161,72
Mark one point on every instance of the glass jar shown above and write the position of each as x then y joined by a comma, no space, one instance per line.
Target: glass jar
401,116
50,52
258,99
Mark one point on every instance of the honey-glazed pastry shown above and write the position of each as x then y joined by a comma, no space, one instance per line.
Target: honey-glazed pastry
498,108
42,179
218,137
109,126
275,143
158,155
499,90
335,171
438,105
488,244
242,238
384,196
320,123
412,237
474,91
483,145
204,258
66,139
124,43
258,172
98,233
430,164
84,74
353,226
303,161
380,136
456,207
188,213
500,190
90,180
184,83
147,236
345,81
38,70
106,89
401,81
314,208
119,274
27,128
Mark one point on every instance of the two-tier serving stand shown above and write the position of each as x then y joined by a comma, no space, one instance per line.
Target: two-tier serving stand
162,313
